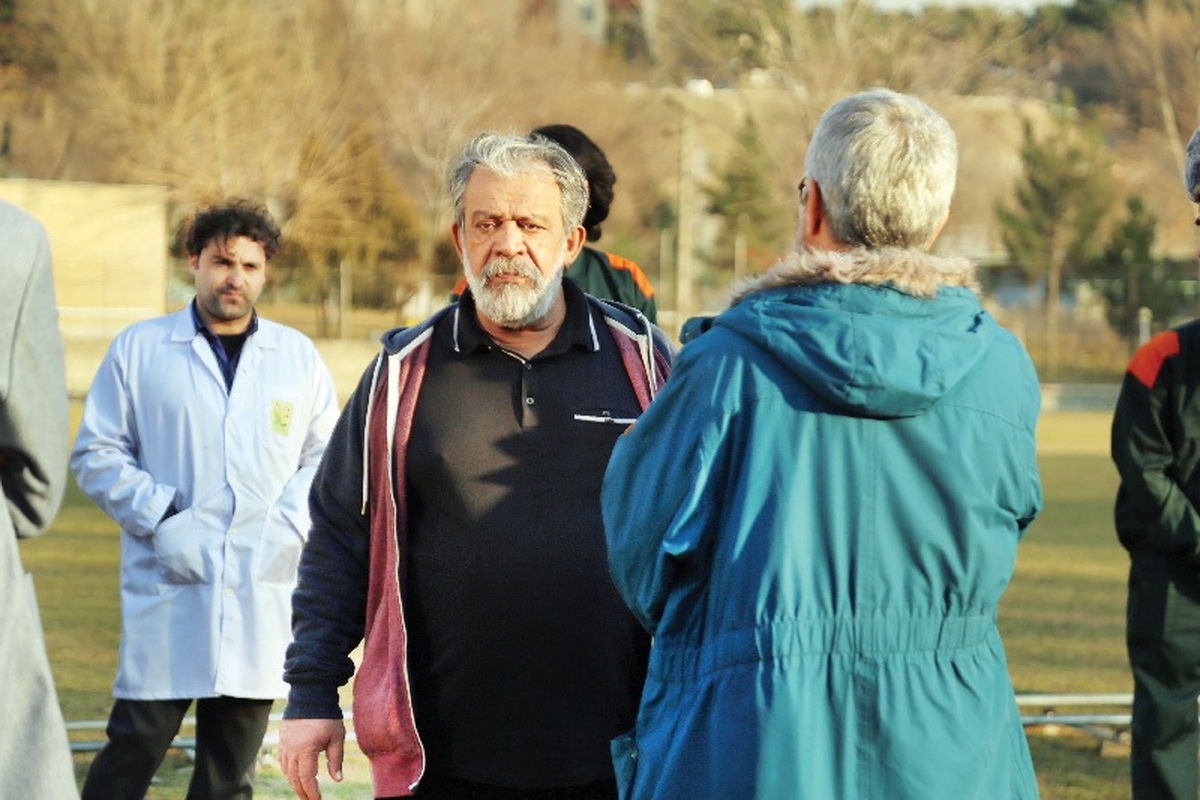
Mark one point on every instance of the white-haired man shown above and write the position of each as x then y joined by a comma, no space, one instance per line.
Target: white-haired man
456,518
817,516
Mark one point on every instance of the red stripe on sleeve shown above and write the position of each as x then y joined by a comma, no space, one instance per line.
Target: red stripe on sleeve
1149,358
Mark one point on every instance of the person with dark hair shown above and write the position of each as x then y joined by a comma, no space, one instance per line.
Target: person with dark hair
598,272
200,437
1157,514
818,515
35,758
456,519
239,218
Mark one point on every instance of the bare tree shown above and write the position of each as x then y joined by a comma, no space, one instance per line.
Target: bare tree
1157,43
219,98
827,52
433,82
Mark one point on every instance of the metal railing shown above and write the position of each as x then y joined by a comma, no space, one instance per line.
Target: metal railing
1102,725
1111,727
185,743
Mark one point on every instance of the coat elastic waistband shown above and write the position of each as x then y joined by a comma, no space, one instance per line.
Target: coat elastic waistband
864,637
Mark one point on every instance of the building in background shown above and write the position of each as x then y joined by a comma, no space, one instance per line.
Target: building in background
110,246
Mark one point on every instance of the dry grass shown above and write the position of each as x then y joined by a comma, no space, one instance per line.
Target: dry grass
1081,433
1062,619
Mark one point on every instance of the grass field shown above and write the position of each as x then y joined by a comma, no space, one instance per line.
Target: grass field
1062,619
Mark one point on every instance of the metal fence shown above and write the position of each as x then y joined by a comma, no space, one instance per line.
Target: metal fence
1063,709
184,742
1052,709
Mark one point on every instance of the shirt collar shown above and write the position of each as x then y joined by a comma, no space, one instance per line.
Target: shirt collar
578,328
204,330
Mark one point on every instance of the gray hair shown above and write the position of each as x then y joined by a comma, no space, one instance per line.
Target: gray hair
1191,170
509,155
885,163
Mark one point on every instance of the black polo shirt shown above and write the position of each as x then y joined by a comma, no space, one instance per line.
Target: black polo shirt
523,660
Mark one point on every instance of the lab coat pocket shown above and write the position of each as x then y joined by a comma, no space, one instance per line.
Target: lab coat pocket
278,556
624,758
181,546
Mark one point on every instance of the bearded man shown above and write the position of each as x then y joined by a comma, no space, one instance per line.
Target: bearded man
200,437
456,518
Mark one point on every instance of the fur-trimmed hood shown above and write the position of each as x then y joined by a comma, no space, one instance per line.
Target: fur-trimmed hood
913,272
883,333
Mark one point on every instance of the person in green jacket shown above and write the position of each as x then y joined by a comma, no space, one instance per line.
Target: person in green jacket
1157,514
598,272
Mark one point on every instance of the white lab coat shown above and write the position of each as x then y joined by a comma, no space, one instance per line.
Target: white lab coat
206,595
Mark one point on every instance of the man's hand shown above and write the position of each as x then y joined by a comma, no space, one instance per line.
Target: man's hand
300,742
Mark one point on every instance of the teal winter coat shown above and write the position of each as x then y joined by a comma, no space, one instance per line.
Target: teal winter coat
817,518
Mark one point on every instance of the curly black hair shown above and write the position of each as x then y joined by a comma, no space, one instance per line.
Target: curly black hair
599,172
230,220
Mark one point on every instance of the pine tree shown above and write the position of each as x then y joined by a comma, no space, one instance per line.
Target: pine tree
1131,278
1061,199
751,229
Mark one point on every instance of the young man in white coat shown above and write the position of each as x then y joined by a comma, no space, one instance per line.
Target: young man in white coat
200,437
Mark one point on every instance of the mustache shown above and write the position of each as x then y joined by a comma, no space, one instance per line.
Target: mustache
502,265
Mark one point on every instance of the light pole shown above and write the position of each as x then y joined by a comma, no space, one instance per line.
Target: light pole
685,258
685,276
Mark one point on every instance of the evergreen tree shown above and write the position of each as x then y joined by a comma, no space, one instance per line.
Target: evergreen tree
1061,199
752,233
1130,278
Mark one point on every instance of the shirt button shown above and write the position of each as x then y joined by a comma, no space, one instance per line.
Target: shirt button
528,401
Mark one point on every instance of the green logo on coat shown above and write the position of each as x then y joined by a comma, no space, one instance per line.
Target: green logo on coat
281,416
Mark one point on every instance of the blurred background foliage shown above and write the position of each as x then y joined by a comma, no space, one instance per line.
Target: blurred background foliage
341,116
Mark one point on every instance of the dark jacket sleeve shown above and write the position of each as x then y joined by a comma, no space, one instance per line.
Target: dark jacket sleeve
329,602
1153,508
33,387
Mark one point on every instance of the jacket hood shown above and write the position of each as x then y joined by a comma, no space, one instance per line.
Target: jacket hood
876,333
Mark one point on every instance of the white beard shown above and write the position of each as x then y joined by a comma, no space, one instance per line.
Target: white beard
514,305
